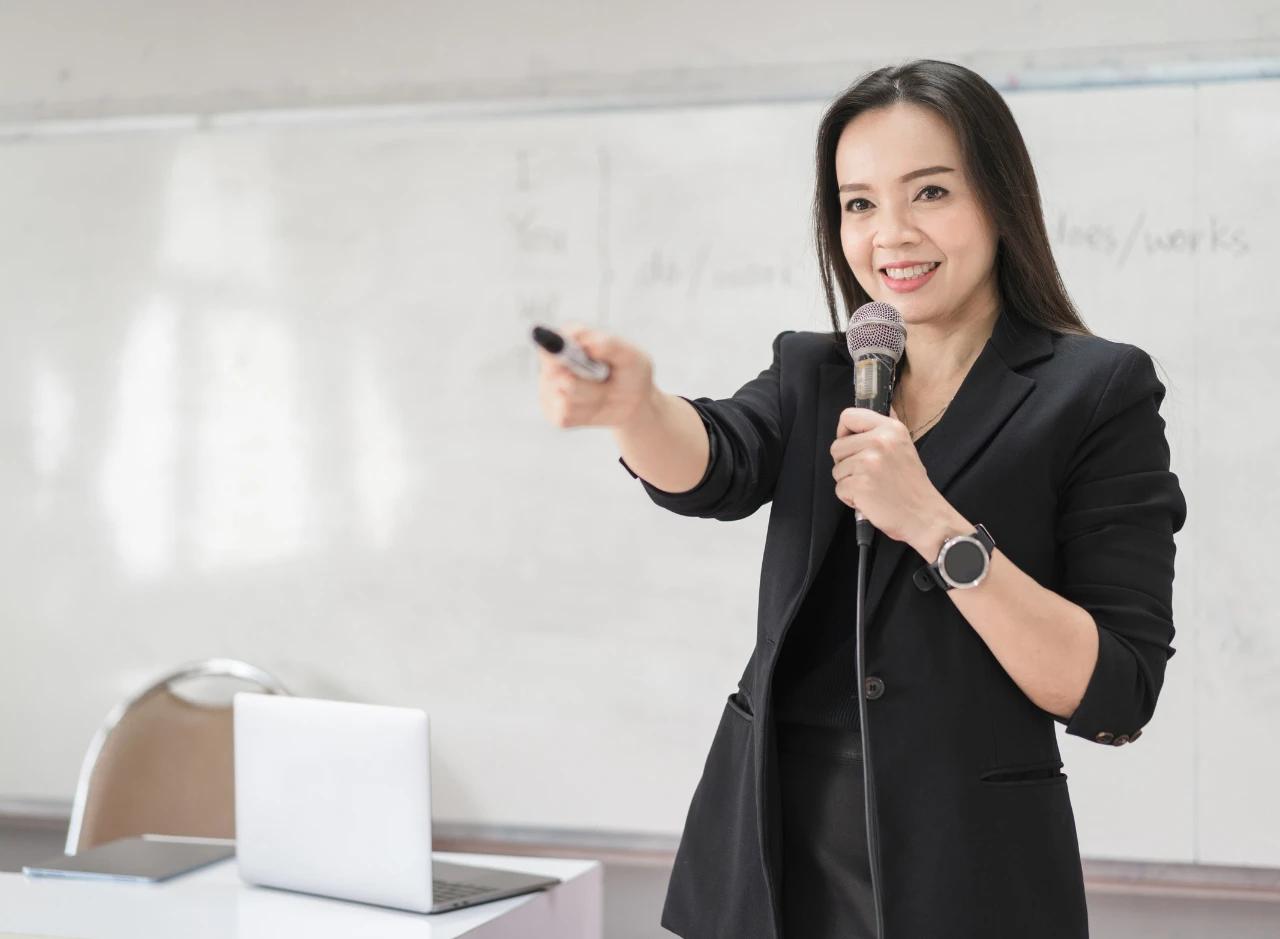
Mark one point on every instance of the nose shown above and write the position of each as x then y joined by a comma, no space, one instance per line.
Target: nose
897,228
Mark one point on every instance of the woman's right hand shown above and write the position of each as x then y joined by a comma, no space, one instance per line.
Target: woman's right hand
570,401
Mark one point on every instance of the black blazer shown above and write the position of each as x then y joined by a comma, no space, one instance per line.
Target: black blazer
1056,443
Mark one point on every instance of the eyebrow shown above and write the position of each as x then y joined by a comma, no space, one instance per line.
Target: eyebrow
914,174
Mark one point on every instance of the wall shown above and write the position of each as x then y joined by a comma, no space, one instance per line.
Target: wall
94,57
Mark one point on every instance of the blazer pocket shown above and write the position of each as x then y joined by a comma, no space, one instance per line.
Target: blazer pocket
1024,775
740,704
717,885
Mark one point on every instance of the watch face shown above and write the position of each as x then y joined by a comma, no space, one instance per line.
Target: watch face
964,562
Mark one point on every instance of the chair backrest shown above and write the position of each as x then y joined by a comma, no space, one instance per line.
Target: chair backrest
163,764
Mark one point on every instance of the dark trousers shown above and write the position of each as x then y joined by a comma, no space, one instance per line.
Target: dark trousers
826,878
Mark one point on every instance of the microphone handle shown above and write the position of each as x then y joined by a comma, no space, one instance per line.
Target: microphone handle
873,377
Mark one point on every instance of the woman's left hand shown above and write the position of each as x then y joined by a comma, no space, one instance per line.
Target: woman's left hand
878,470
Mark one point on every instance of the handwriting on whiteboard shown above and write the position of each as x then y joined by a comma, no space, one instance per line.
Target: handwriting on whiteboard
703,270
1137,236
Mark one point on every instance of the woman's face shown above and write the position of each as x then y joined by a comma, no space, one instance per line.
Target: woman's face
911,227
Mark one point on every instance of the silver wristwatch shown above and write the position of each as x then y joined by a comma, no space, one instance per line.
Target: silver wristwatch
964,560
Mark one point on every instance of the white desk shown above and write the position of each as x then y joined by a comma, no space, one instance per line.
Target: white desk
214,904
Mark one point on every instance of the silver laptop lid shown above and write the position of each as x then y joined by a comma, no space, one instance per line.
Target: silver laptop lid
334,798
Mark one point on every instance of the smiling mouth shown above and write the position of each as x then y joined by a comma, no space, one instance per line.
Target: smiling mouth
909,273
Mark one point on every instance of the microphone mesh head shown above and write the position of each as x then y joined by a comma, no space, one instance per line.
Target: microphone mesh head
876,327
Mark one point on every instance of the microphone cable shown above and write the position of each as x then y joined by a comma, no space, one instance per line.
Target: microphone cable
865,533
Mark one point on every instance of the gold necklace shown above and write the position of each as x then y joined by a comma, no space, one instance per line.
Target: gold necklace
912,433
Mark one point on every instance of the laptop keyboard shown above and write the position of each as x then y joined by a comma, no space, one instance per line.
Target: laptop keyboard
447,891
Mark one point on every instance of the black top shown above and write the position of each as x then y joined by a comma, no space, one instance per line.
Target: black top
816,680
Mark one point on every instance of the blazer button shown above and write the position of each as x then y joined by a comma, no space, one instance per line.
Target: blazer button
1104,737
1135,735
875,687
1121,740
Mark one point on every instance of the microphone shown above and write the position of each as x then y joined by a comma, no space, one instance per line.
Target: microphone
876,337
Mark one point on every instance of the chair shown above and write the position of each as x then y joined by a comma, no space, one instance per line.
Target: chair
164,764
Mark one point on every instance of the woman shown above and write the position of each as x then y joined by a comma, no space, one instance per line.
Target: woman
1007,412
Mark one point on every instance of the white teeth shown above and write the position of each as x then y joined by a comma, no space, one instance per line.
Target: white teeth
910,273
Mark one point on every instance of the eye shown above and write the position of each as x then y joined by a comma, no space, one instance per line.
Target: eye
940,192
853,205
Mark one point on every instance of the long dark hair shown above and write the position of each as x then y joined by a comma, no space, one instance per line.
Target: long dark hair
997,165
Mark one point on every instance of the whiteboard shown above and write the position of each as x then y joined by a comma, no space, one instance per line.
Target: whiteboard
268,393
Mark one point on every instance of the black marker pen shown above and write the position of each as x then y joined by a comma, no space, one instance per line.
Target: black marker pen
571,355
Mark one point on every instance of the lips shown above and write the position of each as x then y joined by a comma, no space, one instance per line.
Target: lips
918,274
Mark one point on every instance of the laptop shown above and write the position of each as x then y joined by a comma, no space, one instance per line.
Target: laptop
148,859
334,798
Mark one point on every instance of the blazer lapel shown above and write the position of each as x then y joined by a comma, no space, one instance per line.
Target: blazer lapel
989,395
